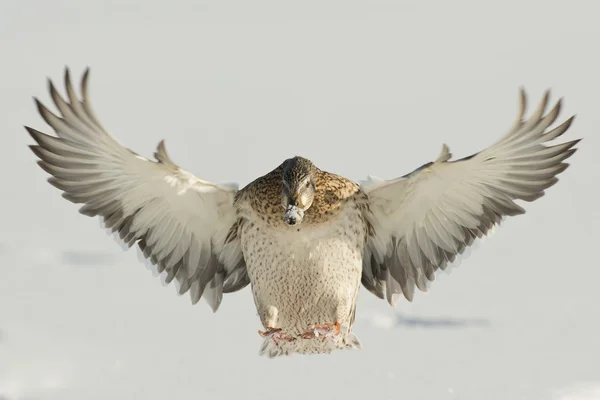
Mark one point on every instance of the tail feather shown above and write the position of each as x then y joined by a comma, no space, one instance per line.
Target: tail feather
308,346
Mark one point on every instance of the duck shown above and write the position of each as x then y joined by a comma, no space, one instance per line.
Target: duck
305,240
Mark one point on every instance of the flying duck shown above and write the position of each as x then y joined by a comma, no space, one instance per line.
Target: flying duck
304,239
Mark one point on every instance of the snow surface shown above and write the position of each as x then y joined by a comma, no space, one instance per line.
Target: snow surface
361,87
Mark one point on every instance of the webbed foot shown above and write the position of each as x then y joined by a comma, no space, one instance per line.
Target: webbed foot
322,330
276,335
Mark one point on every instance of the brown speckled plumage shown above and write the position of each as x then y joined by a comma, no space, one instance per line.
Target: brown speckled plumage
332,193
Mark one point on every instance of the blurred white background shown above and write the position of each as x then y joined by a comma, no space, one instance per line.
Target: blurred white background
360,87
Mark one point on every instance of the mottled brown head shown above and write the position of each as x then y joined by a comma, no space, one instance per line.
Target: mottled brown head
298,188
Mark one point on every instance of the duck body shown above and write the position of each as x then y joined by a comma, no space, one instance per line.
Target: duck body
305,275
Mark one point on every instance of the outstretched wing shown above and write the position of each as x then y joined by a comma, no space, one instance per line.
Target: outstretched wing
180,222
423,220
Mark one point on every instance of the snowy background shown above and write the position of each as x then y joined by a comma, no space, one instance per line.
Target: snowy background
361,87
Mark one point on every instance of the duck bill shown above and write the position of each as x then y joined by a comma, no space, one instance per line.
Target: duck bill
293,215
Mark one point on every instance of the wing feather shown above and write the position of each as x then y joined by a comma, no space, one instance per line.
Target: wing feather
178,220
425,219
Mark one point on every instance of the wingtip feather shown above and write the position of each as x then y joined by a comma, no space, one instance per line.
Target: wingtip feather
522,104
67,74
84,83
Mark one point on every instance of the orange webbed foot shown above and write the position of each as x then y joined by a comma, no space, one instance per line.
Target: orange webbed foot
276,334
322,330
